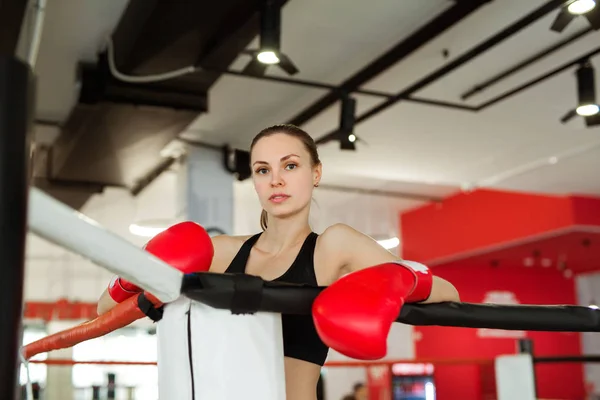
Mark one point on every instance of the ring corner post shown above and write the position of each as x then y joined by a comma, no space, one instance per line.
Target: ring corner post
16,109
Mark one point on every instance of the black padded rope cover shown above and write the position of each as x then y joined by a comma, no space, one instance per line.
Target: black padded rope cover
252,294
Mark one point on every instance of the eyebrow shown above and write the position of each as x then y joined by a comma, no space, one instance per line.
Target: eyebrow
282,159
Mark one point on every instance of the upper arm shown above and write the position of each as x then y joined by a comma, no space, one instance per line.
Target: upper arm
355,251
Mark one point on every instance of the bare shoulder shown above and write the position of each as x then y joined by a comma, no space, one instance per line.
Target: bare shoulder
355,250
331,250
226,247
336,236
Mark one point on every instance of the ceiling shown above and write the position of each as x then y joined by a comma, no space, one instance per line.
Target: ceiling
108,133
99,139
95,131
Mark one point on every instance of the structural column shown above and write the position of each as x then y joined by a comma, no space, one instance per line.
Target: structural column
206,190
15,116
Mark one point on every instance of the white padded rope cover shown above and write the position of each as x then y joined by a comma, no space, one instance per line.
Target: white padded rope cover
62,225
232,356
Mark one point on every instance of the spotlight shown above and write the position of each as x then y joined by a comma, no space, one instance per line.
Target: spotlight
586,95
588,110
585,8
270,44
267,57
581,6
347,120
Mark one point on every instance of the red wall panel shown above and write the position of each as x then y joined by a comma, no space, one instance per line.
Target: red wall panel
525,286
469,221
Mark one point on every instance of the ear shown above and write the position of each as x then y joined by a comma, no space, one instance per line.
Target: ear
317,173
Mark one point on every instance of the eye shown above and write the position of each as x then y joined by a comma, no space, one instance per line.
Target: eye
261,171
290,167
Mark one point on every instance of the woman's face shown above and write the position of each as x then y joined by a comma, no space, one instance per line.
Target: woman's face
283,174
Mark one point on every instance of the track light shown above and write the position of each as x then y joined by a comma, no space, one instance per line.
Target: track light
347,121
587,8
586,90
270,43
586,96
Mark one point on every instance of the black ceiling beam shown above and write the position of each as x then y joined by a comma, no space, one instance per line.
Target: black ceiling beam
12,15
481,48
403,49
129,30
535,58
176,34
539,79
338,90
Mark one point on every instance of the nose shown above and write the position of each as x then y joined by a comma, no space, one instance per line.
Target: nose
276,179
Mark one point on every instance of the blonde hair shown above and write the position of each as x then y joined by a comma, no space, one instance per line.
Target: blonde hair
296,132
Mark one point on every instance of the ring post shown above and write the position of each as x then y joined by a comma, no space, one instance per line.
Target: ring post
15,108
525,346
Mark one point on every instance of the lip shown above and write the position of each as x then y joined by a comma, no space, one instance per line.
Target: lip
279,197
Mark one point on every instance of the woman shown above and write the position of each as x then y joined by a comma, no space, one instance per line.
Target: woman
286,169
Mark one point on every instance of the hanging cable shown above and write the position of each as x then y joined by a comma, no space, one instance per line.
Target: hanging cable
147,78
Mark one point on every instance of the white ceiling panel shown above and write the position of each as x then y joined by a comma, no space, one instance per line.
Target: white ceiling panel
576,174
508,54
470,32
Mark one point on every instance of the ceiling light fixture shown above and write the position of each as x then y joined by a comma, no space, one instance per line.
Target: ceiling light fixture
586,96
579,7
347,121
567,13
270,44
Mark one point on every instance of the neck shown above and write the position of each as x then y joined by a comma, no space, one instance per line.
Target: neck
283,233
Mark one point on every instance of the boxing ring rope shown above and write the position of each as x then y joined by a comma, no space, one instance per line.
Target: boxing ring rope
64,226
351,364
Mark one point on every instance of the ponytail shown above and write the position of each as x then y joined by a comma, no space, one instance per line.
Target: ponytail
263,220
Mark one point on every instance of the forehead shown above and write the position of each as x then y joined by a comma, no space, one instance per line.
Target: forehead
276,146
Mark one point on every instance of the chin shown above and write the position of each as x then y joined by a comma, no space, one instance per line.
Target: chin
284,210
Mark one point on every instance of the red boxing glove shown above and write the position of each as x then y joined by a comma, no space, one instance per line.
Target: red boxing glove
185,246
423,281
355,314
120,290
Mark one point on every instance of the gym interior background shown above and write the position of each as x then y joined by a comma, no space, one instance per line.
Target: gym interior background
458,133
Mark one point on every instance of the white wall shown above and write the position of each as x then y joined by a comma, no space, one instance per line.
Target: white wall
370,214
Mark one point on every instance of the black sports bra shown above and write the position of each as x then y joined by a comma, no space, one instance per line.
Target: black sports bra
300,337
